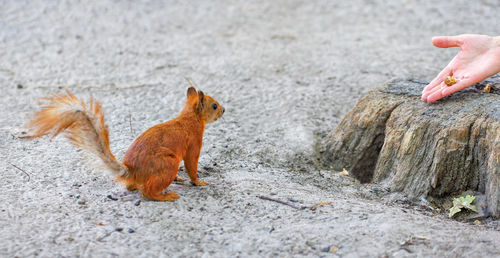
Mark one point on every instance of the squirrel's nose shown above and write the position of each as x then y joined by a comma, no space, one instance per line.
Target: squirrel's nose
223,110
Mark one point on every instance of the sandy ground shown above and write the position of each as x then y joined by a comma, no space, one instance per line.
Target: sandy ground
286,71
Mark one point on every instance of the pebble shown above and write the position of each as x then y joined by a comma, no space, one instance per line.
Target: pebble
112,198
330,249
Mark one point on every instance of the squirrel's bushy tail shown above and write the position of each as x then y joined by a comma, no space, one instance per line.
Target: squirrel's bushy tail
83,125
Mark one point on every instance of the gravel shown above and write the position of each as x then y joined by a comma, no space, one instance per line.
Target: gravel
286,72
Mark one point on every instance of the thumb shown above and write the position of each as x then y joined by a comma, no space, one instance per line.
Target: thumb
447,41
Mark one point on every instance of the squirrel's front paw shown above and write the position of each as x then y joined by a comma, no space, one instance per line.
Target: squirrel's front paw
199,183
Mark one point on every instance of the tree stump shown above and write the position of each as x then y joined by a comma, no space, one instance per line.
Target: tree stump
393,138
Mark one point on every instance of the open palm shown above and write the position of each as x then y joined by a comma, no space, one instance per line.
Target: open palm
478,59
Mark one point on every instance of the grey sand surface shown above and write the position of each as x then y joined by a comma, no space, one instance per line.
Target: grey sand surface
286,72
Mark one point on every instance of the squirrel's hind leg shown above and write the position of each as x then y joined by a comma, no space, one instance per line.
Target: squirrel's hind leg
130,183
157,172
132,186
154,186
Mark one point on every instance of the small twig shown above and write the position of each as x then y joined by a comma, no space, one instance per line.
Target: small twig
26,173
55,238
130,123
278,201
96,87
8,71
100,239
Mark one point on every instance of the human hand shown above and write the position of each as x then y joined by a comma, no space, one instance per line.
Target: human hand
478,59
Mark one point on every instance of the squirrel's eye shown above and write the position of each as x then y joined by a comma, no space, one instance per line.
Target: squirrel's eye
214,106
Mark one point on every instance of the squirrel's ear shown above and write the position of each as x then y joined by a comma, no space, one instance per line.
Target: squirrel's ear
191,92
201,101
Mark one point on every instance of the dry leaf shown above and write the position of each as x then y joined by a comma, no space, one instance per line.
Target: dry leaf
345,173
462,202
333,249
321,204
487,88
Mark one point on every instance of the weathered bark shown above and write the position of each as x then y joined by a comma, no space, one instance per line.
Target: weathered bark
393,138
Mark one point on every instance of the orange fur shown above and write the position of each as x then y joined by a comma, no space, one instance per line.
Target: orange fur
152,161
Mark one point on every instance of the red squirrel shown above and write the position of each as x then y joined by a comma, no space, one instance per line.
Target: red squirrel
152,161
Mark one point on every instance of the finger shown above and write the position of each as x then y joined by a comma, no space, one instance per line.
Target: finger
439,78
431,89
423,98
447,41
433,84
427,93
436,93
436,82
